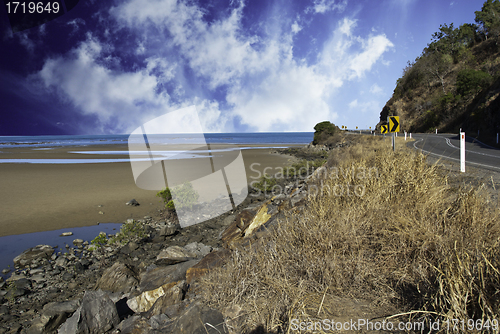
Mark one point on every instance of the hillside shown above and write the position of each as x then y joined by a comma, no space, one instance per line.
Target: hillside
455,82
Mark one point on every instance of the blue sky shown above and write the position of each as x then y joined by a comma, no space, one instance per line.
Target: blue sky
109,66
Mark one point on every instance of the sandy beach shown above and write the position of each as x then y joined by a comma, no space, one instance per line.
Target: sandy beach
42,197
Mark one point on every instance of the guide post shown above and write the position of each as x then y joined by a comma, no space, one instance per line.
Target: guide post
462,152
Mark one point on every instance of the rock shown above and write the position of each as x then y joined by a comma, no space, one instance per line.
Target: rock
156,277
96,314
134,324
207,321
118,278
172,293
212,260
169,230
33,254
198,248
66,234
234,232
228,220
22,283
61,261
132,202
158,321
5,271
38,278
53,315
174,254
77,242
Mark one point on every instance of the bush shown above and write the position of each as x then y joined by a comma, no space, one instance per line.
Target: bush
185,195
100,240
265,184
472,81
128,232
324,130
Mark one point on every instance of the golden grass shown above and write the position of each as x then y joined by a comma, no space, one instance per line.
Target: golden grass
408,242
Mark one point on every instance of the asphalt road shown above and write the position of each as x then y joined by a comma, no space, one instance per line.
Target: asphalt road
447,146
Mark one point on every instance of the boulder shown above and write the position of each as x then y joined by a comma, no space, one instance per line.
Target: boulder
165,295
77,242
132,202
33,254
199,319
96,314
234,232
53,315
175,254
118,278
158,276
212,260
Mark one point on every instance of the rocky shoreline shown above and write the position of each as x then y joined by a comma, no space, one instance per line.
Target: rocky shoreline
146,281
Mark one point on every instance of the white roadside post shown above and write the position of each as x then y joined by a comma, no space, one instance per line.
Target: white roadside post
436,131
497,137
410,135
405,135
462,152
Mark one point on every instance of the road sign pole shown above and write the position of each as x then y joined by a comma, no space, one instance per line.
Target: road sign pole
497,138
462,152
393,141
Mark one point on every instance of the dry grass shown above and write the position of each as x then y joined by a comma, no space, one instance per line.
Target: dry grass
407,242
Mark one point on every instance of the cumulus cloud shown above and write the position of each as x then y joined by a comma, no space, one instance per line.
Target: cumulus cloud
181,59
124,98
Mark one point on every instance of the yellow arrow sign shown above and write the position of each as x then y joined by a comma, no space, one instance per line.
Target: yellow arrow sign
394,123
383,128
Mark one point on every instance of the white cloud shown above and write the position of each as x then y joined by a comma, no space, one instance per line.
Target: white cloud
296,27
292,98
261,82
364,107
376,89
125,99
323,6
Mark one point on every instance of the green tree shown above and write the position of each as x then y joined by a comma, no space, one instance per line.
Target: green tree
489,18
471,81
324,130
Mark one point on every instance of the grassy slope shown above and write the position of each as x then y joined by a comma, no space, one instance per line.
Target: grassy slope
406,241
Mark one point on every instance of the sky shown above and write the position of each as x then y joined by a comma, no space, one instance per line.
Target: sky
108,66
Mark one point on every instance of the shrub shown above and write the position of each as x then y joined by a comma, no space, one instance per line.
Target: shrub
471,81
128,232
324,130
185,197
100,240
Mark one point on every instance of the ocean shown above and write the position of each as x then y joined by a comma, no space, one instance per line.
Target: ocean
37,143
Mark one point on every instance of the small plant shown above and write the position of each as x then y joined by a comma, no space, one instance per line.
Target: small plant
185,197
265,184
100,240
129,231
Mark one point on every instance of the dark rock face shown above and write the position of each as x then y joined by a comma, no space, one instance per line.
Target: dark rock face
97,314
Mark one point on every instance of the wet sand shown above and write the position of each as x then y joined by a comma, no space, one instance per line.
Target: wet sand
43,197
